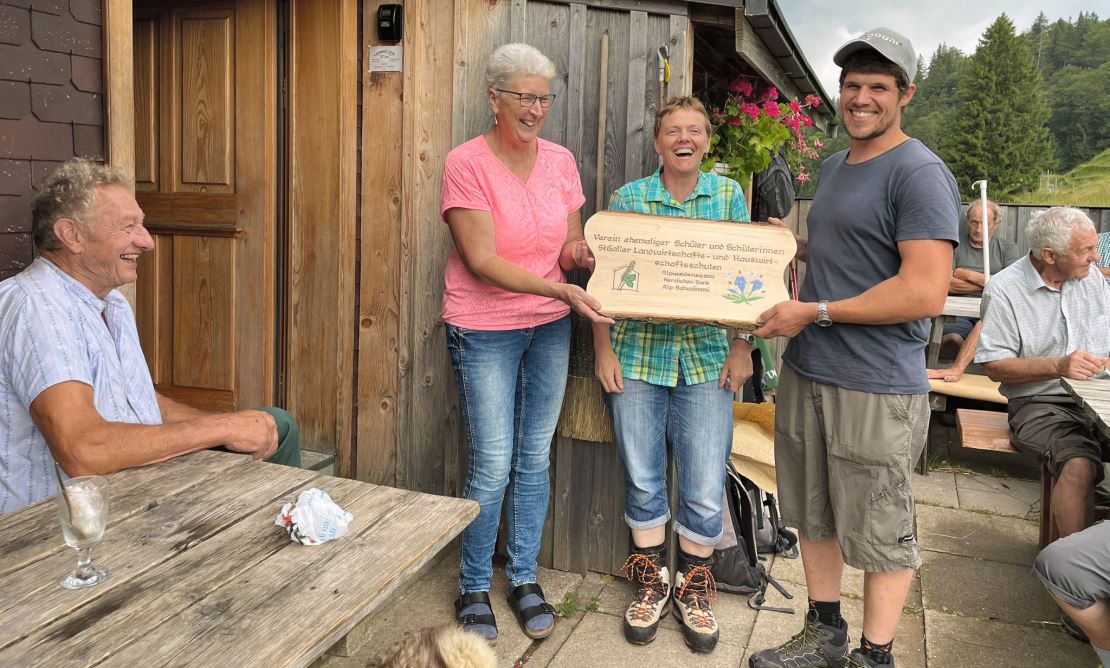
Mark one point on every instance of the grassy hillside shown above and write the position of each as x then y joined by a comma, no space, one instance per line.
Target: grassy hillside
1086,185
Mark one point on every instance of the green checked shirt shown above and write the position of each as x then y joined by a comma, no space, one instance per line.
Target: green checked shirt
653,353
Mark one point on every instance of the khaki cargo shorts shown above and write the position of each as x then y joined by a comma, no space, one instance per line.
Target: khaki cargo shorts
844,461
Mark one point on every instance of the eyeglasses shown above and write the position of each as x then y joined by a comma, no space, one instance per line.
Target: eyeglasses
528,99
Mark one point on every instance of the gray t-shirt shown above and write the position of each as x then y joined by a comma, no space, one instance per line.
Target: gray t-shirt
1003,253
860,212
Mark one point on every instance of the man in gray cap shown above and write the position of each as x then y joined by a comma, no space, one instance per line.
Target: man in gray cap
852,409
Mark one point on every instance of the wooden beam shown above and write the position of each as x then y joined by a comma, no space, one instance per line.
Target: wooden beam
755,53
119,95
669,7
375,449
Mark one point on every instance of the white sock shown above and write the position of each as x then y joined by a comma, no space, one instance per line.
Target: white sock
1103,655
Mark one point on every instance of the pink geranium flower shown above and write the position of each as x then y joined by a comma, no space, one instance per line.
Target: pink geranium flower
741,87
771,108
750,109
795,106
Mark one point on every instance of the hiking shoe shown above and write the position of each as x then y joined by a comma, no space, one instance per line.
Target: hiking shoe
695,592
857,659
817,646
653,594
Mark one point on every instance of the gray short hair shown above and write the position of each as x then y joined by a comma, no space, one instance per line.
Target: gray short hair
510,61
995,212
1053,228
69,193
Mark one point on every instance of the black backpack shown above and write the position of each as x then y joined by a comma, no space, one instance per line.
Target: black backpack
737,568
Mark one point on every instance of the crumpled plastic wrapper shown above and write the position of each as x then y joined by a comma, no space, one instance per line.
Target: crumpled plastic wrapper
313,518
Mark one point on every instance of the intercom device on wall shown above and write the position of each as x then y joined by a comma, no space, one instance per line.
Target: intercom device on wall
389,23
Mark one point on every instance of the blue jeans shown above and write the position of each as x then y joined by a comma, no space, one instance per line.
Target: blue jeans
697,421
511,385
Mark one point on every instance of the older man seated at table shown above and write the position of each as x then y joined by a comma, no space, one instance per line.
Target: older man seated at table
1047,317
74,385
967,280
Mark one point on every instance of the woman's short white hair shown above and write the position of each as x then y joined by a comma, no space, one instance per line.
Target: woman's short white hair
1053,228
510,61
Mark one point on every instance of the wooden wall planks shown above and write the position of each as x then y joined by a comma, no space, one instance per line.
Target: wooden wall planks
323,161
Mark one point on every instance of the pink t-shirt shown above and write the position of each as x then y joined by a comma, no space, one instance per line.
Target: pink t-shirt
529,230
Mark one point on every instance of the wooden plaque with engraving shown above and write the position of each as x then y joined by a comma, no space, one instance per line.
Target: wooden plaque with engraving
664,269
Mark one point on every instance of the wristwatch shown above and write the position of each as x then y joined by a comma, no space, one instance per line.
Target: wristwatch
746,337
823,319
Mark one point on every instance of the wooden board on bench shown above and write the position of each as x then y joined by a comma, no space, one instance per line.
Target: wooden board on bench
984,430
969,386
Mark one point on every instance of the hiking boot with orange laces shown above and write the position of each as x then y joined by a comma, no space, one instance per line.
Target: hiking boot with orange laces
695,592
645,568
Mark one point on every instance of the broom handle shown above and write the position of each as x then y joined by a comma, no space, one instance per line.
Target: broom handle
599,182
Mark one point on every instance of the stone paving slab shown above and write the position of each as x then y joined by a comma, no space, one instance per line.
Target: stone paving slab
983,589
773,629
430,602
543,653
936,489
1000,496
1004,539
960,641
598,640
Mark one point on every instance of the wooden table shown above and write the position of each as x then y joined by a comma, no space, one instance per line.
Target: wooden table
966,307
1093,396
201,576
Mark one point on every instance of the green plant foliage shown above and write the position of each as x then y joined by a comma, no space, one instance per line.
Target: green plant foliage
998,125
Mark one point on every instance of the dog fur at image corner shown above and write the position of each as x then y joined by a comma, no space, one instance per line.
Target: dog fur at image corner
440,647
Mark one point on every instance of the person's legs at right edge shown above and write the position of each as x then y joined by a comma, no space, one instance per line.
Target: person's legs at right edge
1074,571
639,419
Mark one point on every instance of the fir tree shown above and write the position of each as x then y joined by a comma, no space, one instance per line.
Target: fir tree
998,121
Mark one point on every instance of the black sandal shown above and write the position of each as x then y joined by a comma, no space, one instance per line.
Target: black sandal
523,615
469,620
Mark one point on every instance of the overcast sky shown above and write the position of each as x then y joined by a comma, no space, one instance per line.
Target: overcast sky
821,26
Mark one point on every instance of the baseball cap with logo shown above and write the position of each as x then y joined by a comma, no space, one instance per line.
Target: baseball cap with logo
889,44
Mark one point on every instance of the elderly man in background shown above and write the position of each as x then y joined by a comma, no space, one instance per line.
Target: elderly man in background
74,384
968,279
1047,317
1104,255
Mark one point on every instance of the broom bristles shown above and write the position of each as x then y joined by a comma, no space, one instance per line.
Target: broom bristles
584,416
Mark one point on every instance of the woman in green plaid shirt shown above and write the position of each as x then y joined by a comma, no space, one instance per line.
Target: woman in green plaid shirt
674,382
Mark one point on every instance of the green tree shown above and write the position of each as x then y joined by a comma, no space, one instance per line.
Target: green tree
998,121
925,116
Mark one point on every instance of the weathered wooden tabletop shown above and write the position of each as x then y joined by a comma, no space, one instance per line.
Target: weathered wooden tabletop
1093,396
967,307
201,576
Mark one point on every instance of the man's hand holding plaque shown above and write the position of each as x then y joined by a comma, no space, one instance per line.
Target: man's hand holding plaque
666,269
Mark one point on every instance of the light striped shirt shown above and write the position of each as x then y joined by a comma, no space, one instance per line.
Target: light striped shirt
1103,250
53,329
1025,318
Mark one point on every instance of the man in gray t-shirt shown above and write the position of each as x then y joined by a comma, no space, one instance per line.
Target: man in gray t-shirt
968,280
851,411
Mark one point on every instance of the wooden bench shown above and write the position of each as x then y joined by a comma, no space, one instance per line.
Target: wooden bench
990,430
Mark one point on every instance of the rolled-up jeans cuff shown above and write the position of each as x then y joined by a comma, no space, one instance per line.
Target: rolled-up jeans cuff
647,524
697,538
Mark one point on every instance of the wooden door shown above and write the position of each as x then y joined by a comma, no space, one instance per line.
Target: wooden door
205,168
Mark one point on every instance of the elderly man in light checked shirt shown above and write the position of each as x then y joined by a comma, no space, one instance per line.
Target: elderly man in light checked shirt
1047,317
74,385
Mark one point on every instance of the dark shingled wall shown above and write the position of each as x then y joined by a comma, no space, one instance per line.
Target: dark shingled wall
51,105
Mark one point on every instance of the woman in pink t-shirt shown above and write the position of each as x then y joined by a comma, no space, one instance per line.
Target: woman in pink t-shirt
512,201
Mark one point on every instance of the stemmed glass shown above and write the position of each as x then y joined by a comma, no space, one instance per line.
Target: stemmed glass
83,511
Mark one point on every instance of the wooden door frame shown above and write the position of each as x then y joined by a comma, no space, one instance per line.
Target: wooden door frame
120,149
